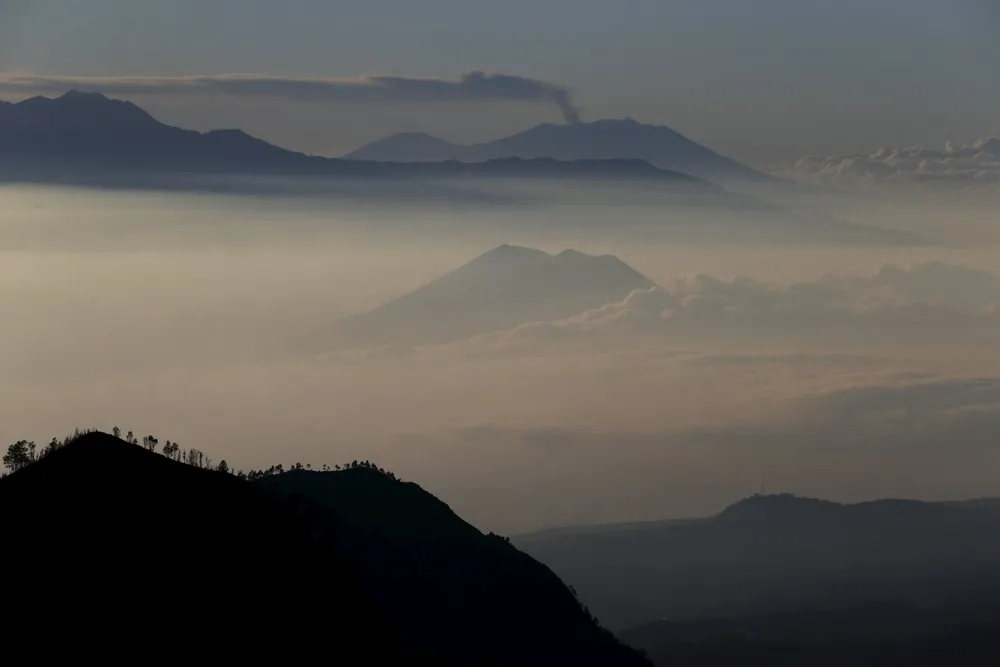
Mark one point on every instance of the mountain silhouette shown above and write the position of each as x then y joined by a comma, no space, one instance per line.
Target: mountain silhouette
102,535
500,289
88,130
604,139
446,583
87,139
409,147
89,136
773,553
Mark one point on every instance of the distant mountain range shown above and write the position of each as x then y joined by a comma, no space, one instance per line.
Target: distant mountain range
90,140
84,135
770,554
500,289
600,140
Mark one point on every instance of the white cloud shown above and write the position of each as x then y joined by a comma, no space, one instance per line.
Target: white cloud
975,164
927,302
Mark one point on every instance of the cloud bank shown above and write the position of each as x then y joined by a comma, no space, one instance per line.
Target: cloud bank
145,313
927,302
474,85
975,164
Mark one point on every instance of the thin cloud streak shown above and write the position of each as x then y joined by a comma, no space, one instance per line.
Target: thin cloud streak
474,85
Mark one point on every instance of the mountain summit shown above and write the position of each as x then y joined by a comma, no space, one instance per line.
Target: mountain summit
604,139
500,289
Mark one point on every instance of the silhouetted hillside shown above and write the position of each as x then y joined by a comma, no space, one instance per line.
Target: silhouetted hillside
770,553
105,537
502,288
603,139
448,584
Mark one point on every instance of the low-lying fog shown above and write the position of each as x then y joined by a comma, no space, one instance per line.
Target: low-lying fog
817,367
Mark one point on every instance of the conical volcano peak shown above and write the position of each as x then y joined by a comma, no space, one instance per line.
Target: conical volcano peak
79,95
502,288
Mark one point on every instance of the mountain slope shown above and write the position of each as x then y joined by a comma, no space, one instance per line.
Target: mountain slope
780,552
448,584
502,288
88,130
104,535
603,139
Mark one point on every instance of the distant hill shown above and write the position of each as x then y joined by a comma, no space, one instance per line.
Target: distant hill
446,583
87,139
500,289
409,147
603,139
773,553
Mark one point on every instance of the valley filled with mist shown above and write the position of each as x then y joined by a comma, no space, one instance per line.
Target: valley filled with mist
700,363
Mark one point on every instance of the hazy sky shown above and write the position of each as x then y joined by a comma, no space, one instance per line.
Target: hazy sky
764,80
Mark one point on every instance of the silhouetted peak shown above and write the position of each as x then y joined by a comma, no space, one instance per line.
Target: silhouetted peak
427,147
507,252
95,454
81,96
97,441
75,108
779,506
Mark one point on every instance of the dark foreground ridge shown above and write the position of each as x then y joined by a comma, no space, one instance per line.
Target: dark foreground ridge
104,535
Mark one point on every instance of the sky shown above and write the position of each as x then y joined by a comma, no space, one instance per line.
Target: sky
765,81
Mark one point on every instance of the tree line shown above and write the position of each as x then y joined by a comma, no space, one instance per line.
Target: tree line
23,453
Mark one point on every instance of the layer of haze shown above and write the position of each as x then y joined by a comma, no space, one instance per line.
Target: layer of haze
824,371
